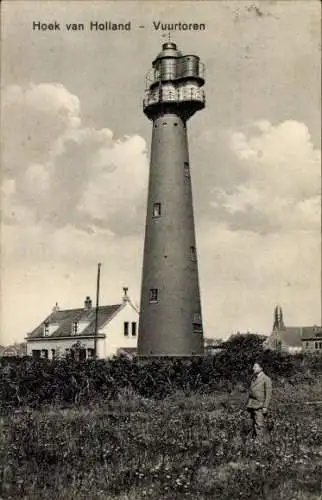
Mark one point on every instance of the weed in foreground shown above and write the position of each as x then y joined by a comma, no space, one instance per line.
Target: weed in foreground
184,446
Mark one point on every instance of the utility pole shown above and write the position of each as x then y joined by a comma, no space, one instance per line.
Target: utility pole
96,310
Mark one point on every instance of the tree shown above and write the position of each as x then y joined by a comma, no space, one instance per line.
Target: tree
244,342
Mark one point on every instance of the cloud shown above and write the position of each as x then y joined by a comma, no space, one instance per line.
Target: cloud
261,244
62,173
280,186
118,193
243,274
73,196
35,116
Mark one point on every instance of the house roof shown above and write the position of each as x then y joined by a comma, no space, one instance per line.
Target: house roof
66,318
291,336
312,332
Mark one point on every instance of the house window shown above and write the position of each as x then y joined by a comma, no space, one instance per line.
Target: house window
307,345
53,353
35,353
316,345
82,354
133,328
157,210
197,327
126,328
186,169
320,345
75,327
46,328
90,353
193,254
44,353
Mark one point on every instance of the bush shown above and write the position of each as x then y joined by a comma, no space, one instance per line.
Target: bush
162,429
31,382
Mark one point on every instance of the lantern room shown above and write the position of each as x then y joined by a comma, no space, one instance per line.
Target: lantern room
174,79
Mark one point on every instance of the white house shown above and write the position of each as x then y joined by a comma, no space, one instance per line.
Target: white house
72,331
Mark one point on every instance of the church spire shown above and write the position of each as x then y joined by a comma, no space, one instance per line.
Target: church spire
281,322
276,319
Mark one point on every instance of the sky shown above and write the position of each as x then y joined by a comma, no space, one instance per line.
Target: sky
75,157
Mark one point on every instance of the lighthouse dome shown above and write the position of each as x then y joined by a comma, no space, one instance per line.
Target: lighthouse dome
169,49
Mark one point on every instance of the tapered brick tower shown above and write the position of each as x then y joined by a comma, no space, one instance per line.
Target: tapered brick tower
170,311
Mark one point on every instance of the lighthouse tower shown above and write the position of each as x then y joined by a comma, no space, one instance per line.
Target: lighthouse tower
170,311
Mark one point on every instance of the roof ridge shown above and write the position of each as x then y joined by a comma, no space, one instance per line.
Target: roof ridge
83,308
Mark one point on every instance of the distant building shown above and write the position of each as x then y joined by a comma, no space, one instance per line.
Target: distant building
71,332
16,349
212,346
293,339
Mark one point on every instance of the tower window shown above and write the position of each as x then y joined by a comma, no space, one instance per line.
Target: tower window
197,323
156,209
153,295
197,327
126,328
193,254
133,329
186,169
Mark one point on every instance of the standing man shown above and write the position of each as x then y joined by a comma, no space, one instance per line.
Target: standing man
259,398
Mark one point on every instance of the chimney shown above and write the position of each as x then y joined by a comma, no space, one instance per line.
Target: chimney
56,307
88,303
125,297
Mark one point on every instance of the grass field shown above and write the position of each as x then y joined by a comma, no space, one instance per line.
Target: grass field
187,445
